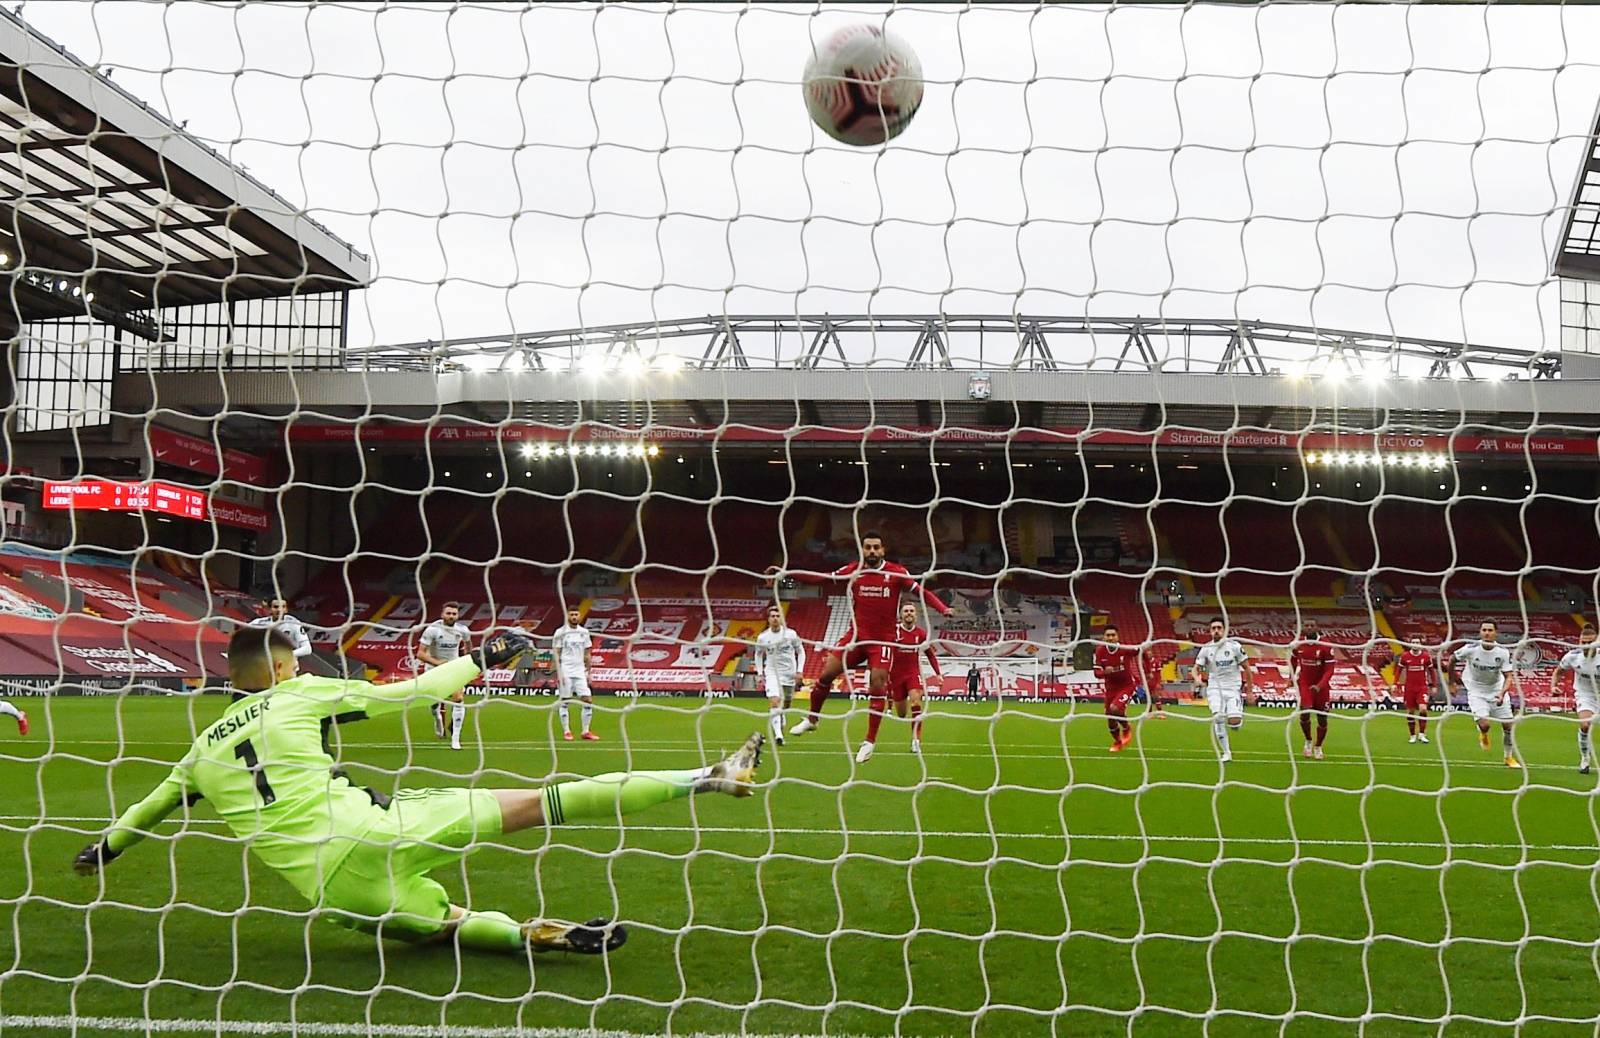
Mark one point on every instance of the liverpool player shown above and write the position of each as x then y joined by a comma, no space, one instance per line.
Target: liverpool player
875,588
1312,663
1117,665
905,682
1414,673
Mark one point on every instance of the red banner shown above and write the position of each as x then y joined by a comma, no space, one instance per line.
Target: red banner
1457,442
191,452
237,513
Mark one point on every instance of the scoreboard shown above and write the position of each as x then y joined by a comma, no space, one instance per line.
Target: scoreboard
118,496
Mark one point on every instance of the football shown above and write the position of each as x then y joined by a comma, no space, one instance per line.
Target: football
862,85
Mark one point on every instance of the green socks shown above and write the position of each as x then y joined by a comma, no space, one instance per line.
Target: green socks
490,931
619,793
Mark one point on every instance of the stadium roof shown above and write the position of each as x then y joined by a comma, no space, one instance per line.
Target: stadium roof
1579,255
103,195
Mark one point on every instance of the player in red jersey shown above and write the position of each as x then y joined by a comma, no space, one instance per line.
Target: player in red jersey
911,644
875,588
1414,673
1118,666
1312,663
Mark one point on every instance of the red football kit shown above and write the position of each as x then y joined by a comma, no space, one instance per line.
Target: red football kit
905,672
1313,662
874,609
1416,677
1119,669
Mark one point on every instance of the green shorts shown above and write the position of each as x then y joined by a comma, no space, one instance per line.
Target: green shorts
382,886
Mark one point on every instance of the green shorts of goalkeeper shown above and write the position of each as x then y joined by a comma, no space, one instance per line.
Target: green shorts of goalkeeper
358,856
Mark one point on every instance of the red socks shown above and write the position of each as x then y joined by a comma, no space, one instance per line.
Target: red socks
819,696
875,718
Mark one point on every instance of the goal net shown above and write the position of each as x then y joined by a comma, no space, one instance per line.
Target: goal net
1216,372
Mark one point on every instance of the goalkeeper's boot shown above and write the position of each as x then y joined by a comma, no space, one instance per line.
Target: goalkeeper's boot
804,725
736,774
591,938
22,722
865,753
1483,738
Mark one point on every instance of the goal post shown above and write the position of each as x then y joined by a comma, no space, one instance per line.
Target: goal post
571,320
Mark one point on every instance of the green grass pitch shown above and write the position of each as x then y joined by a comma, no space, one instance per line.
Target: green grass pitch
1015,880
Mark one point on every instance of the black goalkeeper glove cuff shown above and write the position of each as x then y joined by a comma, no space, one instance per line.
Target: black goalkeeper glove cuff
94,857
500,649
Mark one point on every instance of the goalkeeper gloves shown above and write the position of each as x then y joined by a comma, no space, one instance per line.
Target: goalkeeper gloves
93,857
501,649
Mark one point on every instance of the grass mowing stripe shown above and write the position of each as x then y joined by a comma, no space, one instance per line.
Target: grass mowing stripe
315,1029
940,834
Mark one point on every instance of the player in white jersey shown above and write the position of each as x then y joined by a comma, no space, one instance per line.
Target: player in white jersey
18,715
278,619
1484,666
1224,668
442,641
573,646
1584,665
780,659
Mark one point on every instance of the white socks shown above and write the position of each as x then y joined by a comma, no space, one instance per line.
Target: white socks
1219,728
775,719
458,720
561,709
7,710
588,716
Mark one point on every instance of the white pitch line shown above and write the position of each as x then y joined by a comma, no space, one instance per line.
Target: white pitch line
934,834
933,752
315,1029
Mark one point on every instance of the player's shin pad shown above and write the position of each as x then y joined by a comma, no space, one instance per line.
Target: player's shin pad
618,793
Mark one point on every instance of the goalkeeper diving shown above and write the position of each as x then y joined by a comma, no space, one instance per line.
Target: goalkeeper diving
357,855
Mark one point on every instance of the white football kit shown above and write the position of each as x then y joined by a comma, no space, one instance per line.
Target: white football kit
1484,673
1585,669
444,642
780,657
1223,663
571,646
290,628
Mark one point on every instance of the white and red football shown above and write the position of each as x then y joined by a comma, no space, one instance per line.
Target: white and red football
863,84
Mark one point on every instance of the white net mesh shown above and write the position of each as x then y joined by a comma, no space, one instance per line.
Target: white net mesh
1151,317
